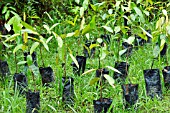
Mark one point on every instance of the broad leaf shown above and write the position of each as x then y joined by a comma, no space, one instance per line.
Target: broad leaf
34,46
89,71
81,11
27,26
114,69
110,80
17,48
117,29
59,40
44,43
82,23
74,60
139,12
94,80
86,29
122,52
108,28
70,34
146,32
156,51
54,26
21,62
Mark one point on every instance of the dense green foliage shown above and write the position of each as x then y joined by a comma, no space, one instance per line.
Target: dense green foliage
58,29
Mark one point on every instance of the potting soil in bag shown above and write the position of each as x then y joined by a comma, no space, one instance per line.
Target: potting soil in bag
153,83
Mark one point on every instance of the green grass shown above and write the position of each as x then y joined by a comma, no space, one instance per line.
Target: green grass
51,98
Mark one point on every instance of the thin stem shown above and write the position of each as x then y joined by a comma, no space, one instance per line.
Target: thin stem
16,63
33,78
42,57
118,50
99,59
65,61
127,56
101,96
167,56
152,63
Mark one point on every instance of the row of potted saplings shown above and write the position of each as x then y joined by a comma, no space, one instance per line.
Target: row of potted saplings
130,91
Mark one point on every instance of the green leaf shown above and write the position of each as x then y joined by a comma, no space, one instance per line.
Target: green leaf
81,11
59,40
146,32
49,39
156,51
108,28
29,60
110,80
102,55
85,4
77,1
99,40
7,15
117,29
74,60
164,12
86,29
122,52
34,46
34,69
93,45
4,9
44,43
130,40
17,48
54,26
47,28
12,37
89,71
27,26
21,62
114,69
82,23
162,44
8,27
94,80
93,23
70,34
139,12
49,16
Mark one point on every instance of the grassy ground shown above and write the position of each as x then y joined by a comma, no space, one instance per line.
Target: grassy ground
51,98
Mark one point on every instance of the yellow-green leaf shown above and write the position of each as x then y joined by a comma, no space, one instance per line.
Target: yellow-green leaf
21,62
12,37
17,48
114,69
89,71
74,60
110,80
94,80
86,29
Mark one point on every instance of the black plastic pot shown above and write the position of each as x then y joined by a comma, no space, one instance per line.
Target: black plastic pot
153,83
100,72
4,69
68,90
139,41
33,102
129,48
123,67
92,51
125,20
47,75
130,94
82,65
34,58
20,80
102,106
166,76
